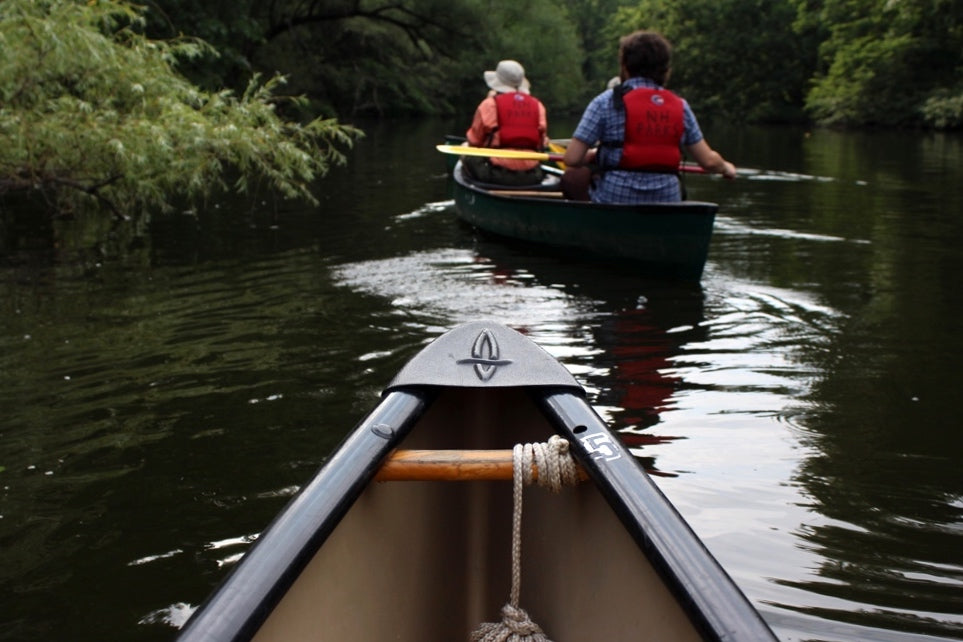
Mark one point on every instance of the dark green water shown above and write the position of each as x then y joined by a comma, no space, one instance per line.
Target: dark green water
800,406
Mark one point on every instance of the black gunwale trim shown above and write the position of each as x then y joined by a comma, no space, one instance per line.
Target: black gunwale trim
713,601
246,597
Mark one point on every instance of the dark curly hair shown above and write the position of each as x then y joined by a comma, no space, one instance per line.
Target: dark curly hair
646,53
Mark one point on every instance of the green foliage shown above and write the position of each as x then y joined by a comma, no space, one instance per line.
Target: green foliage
887,63
356,58
230,28
944,109
591,20
540,37
862,76
738,59
91,111
846,62
387,57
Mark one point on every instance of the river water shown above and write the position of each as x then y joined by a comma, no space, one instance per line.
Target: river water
799,405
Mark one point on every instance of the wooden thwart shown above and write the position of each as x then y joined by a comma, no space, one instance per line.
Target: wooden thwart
451,465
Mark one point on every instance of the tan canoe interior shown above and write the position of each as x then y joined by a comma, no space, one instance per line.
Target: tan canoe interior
429,561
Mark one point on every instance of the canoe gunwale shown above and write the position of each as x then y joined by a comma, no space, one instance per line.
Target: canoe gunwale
246,597
713,601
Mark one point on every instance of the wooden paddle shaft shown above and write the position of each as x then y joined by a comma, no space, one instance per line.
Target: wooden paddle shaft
451,465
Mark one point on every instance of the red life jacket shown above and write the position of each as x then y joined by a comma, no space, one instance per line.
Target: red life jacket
653,130
518,120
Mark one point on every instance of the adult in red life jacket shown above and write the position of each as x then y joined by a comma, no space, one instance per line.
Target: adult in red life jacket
640,129
509,117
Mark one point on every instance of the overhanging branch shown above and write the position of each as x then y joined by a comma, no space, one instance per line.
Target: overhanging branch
417,26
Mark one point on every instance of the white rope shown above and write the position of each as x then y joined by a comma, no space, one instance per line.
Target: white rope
556,468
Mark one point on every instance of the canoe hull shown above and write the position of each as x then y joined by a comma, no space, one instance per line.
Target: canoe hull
670,239
352,559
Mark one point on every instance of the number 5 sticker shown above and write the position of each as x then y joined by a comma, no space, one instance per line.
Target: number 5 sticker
601,446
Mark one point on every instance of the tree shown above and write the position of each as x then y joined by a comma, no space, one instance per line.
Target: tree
888,63
382,58
592,22
389,58
732,58
544,40
94,113
350,57
379,58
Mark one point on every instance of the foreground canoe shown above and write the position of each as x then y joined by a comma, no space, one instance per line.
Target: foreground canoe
670,239
352,558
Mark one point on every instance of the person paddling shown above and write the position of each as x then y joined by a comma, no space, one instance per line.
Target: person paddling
640,128
509,117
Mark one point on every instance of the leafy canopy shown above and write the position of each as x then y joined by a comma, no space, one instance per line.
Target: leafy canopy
93,112
389,58
889,63
734,59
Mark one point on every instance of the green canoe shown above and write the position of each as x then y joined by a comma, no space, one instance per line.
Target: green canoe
663,239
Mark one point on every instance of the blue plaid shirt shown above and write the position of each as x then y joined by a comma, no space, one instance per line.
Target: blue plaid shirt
602,121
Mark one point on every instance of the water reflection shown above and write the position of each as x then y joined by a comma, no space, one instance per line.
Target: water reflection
637,327
687,374
128,403
884,484
800,406
615,331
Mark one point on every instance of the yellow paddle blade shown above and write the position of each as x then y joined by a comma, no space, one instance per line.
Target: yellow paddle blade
520,154
558,148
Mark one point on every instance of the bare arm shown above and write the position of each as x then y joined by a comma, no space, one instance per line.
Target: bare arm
578,154
709,159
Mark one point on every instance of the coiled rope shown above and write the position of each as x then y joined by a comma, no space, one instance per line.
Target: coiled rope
556,469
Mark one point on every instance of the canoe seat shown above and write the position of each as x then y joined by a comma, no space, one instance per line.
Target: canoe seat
452,465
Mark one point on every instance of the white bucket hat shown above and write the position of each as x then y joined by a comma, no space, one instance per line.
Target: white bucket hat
509,75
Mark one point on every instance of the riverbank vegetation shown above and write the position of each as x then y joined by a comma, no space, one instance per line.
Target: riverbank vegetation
124,106
836,62
93,113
